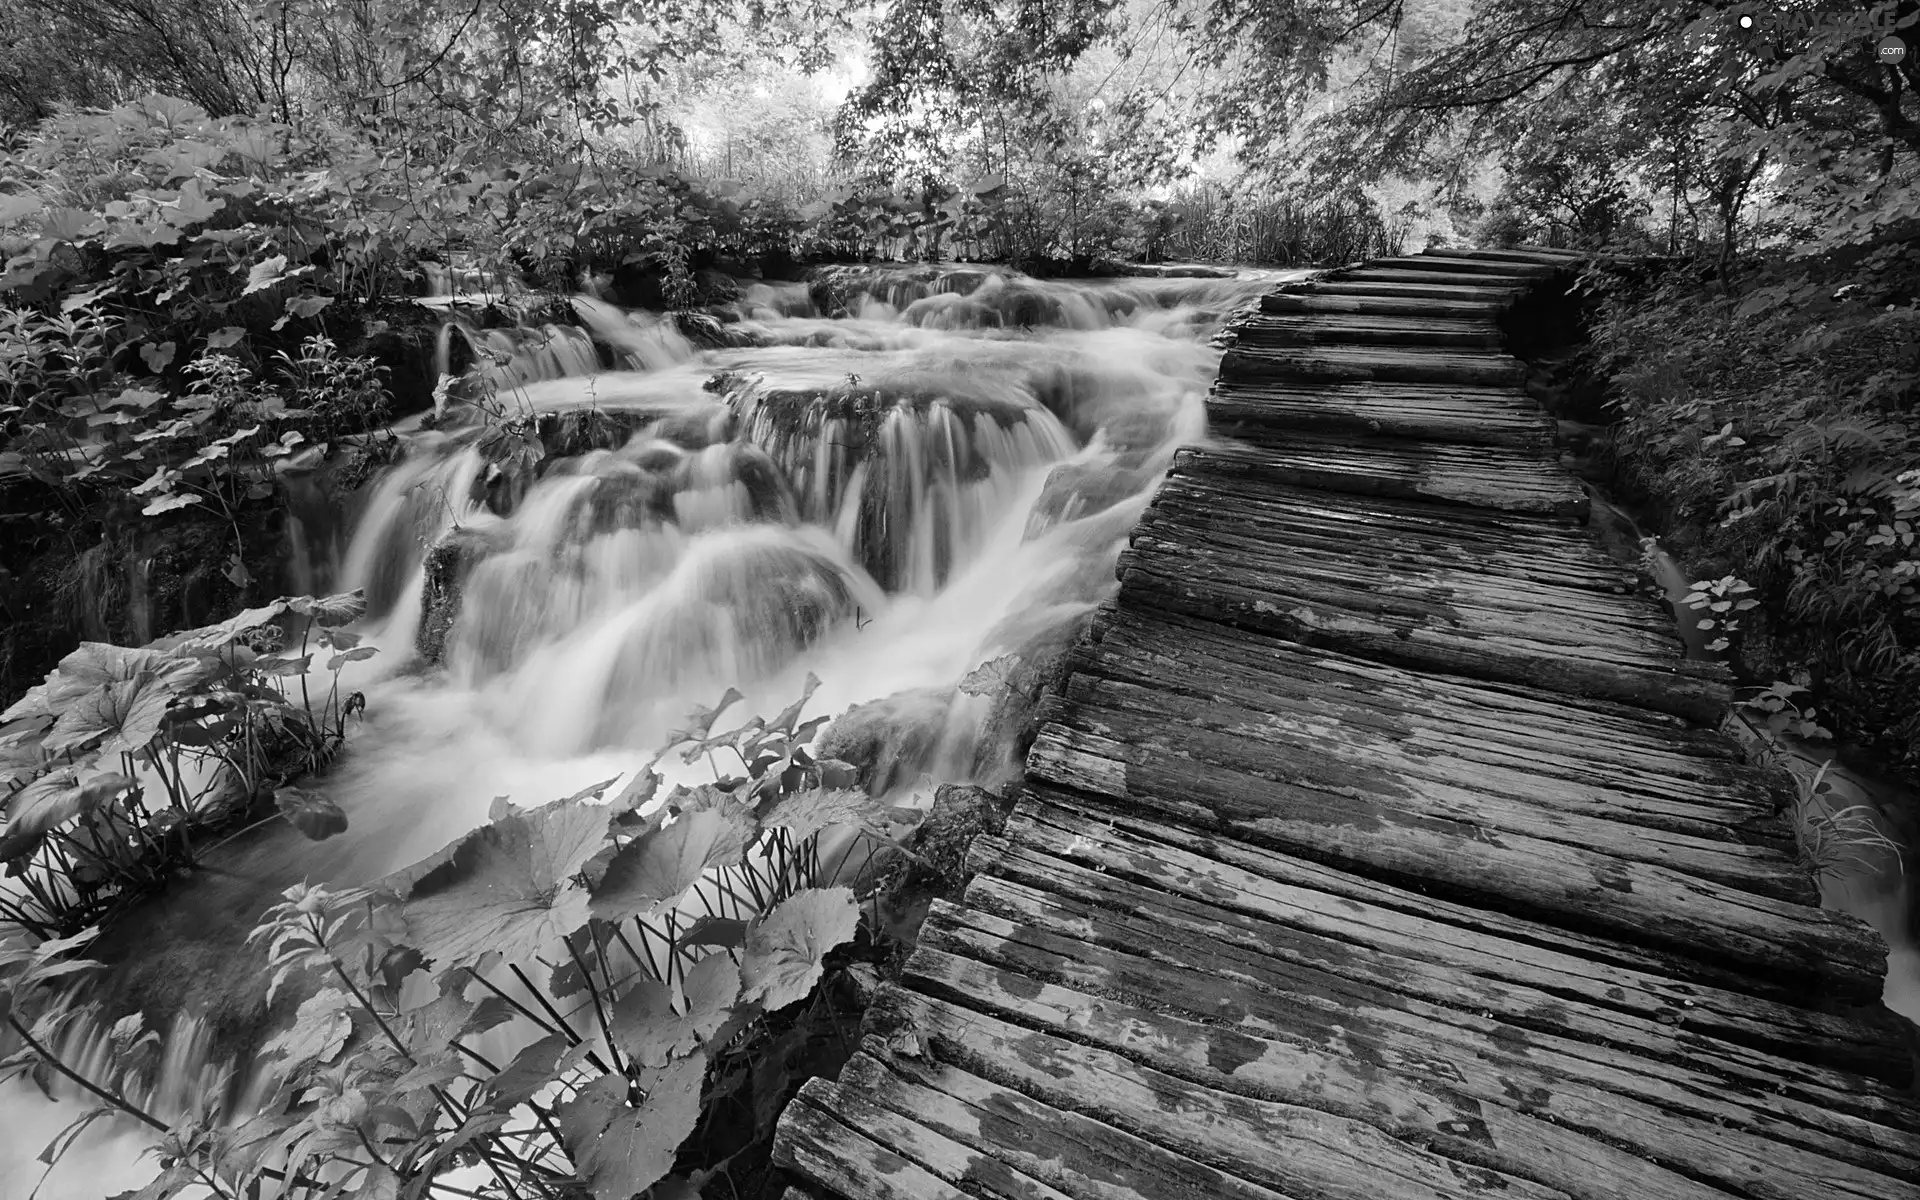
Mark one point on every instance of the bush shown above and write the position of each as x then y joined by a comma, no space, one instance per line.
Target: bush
1797,469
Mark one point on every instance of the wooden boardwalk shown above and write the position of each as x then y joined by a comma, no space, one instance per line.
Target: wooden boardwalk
1378,845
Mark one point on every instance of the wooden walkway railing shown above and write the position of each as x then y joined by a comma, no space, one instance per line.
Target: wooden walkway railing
1378,845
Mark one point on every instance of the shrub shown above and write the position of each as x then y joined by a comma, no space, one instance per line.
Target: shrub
1796,469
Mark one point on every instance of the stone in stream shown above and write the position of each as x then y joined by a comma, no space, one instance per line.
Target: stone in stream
890,742
449,564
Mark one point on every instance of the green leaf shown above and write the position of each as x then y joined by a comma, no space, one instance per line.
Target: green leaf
169,502
320,1031
658,867
507,886
807,813
646,1027
121,716
620,1150
226,337
711,991
306,307
341,608
313,814
787,946
15,207
60,796
264,274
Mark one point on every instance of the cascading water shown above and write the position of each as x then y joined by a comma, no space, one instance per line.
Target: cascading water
883,483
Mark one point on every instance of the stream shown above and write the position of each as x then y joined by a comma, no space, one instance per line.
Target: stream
882,486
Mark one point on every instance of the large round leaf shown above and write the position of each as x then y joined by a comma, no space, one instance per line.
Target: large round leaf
787,947
507,886
60,796
117,717
658,867
620,1150
312,813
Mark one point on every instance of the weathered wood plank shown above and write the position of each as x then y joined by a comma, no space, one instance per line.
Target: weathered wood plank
1474,476
1515,603
1317,302
1393,272
1520,254
1260,412
1322,329
1301,1151
1280,888
1448,741
819,1146
1496,297
1482,1125
1373,525
1579,734
1080,1156
1324,990
1471,1132
1346,1044
1381,364
1569,653
1436,261
1307,744
1567,885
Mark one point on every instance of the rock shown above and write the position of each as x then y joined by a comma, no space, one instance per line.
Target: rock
938,868
890,741
448,564
1074,489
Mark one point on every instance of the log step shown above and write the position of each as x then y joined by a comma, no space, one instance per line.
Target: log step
1266,331
1392,272
1480,295
1316,302
1480,476
1457,264
1264,412
1381,364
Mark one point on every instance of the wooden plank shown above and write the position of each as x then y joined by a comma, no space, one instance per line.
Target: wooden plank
1532,607
815,1144
1559,259
1493,297
1482,1135
1436,261
1359,1053
1574,734
1307,745
1300,1151
1563,884
1381,364
1317,302
1483,1125
1054,1148
1325,989
1390,272
1493,542
1456,738
1280,888
1261,412
1473,476
1319,329
861,1100
1573,653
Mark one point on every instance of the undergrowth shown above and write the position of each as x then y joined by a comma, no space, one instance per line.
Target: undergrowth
608,995
1773,432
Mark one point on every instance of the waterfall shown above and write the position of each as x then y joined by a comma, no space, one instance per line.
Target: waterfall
884,480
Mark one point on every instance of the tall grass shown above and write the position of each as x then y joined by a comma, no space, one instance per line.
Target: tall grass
1210,221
